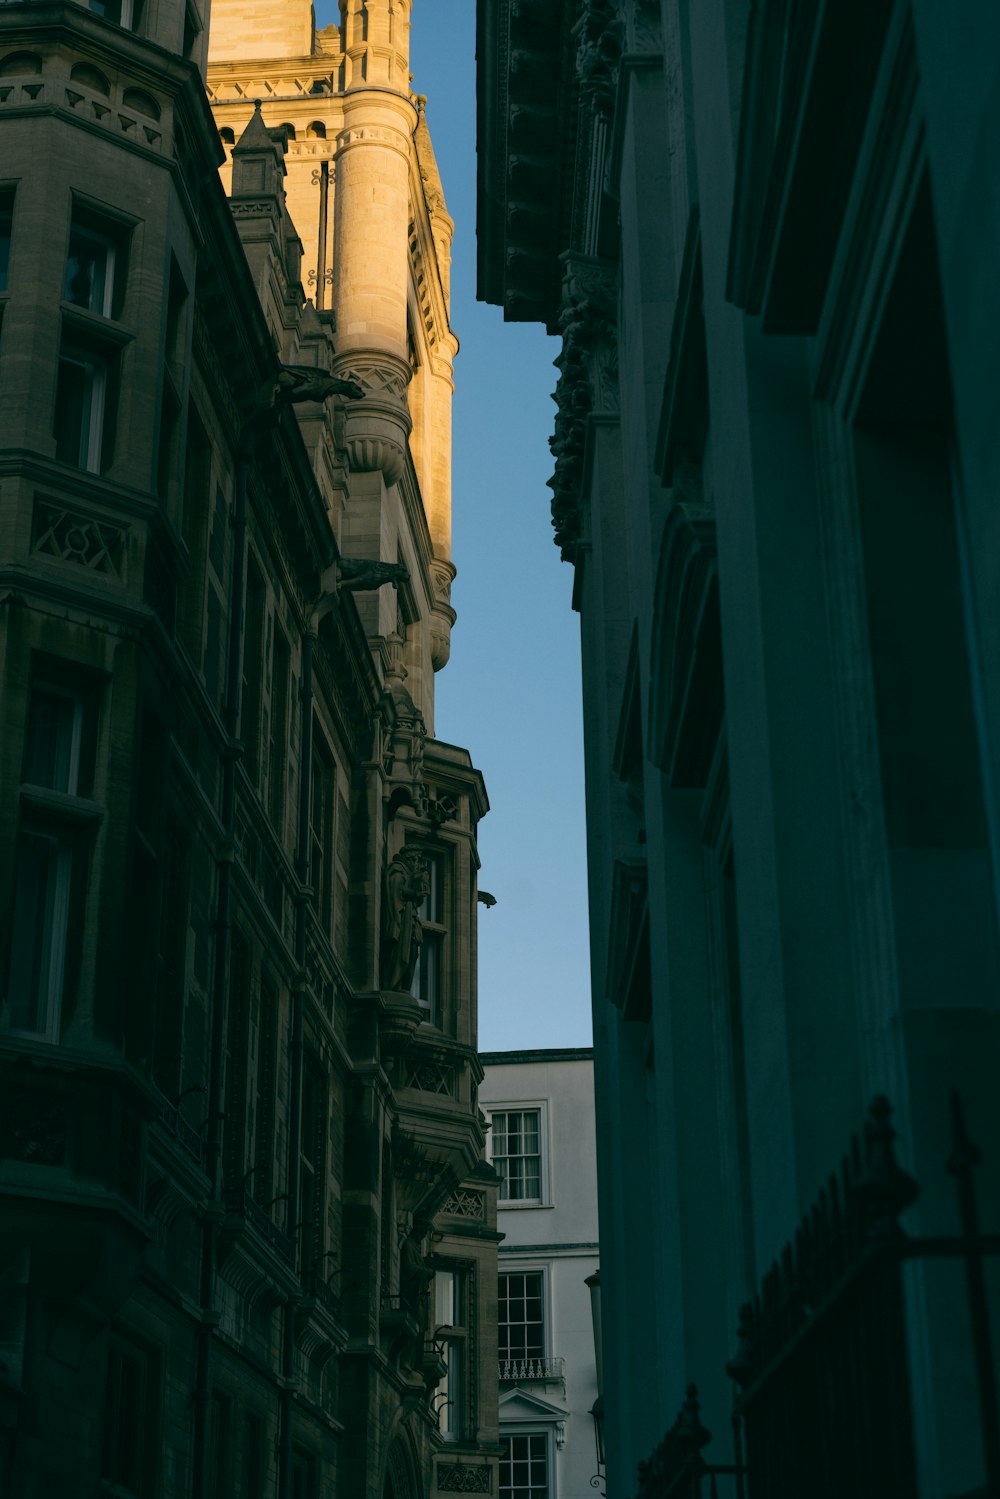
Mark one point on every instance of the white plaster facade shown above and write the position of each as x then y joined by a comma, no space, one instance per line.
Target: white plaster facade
548,1376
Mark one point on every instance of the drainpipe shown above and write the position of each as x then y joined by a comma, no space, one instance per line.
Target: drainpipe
295,1055
220,974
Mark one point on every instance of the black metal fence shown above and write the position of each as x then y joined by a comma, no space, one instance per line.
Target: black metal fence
823,1404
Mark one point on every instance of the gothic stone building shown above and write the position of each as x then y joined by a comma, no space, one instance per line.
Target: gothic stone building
247,1244
767,234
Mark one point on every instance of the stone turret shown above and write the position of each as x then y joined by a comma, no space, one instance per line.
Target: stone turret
370,260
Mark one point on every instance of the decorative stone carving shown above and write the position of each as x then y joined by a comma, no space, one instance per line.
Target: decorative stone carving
431,1077
73,536
588,378
406,885
443,616
646,26
376,432
359,575
464,1478
599,34
465,1205
306,382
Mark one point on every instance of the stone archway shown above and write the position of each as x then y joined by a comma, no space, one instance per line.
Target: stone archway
400,1478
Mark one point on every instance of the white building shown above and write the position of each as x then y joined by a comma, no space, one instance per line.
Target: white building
540,1107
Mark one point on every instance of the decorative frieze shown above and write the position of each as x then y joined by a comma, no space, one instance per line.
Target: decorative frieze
465,1204
431,1077
71,535
588,381
464,1478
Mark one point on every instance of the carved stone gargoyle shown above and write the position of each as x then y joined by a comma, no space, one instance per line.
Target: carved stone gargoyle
359,575
293,383
307,382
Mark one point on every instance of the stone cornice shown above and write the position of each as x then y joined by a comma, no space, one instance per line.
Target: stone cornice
528,115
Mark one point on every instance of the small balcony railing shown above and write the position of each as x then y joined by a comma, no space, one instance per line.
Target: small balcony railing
188,1138
520,1370
241,1204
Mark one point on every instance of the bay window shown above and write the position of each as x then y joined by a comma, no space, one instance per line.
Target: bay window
427,985
450,1338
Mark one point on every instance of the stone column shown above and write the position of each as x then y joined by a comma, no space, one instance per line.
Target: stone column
371,216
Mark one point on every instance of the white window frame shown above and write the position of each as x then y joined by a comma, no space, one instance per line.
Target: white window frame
541,1107
528,1267
534,1429
454,1337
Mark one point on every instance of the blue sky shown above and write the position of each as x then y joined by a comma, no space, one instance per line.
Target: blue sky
511,691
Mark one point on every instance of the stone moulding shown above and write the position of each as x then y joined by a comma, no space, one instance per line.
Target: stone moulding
376,428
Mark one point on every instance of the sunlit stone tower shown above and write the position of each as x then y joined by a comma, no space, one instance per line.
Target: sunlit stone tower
363,190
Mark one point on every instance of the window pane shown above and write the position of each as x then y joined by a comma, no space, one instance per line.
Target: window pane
79,416
110,10
53,740
6,225
72,403
90,264
41,907
444,1299
524,1467
517,1154
521,1327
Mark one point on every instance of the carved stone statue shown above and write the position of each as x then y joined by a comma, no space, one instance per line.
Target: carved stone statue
359,575
307,382
415,1278
406,885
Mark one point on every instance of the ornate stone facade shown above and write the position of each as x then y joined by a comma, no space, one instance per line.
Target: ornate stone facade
238,1070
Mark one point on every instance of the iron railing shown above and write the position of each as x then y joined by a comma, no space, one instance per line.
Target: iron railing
821,1372
241,1203
823,1358
677,1469
188,1138
520,1370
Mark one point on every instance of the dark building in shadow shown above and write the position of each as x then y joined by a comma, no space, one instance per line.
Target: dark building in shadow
767,234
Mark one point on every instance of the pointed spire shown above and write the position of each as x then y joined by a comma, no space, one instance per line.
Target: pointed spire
258,161
255,137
